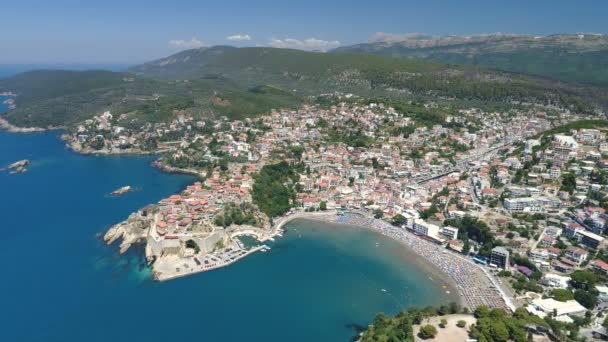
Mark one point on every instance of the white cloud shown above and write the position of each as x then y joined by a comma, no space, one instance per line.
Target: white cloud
239,37
186,44
306,44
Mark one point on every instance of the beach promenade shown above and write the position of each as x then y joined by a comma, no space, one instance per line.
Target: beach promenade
475,285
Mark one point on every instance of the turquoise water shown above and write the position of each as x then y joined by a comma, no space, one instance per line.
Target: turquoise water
60,283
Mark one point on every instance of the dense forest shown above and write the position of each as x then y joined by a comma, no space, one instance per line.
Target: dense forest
273,190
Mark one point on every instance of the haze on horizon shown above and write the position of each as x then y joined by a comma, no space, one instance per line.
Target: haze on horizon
118,32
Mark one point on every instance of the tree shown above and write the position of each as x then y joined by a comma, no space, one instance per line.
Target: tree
583,279
504,273
499,330
461,324
378,213
562,295
585,298
399,220
444,323
323,205
482,311
568,182
466,247
428,331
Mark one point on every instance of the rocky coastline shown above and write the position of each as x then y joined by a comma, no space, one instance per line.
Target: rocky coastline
17,167
78,148
7,126
10,103
121,191
171,169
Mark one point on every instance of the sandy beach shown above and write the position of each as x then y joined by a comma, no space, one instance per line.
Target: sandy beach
435,274
470,285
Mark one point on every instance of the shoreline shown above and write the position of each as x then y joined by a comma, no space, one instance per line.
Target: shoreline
9,127
436,275
425,262
328,217
170,169
69,143
433,273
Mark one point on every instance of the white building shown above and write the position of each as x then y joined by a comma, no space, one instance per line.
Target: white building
543,307
555,281
451,233
425,228
527,204
538,254
566,140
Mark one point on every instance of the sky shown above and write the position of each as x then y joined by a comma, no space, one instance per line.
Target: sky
133,31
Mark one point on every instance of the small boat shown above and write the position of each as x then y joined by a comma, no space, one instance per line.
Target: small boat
383,290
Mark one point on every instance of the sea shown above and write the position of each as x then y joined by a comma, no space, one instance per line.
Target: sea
60,282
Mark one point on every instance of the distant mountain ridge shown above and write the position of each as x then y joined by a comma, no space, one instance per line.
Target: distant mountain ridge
190,61
244,82
569,57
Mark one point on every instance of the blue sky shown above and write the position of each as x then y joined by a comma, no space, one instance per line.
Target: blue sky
134,31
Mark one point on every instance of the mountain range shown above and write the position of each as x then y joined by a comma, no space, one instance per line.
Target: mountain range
568,57
244,82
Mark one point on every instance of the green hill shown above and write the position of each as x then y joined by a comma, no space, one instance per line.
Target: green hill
574,58
244,82
62,97
311,73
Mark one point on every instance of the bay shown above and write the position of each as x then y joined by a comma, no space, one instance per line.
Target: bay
61,283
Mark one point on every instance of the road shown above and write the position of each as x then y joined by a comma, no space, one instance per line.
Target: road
463,164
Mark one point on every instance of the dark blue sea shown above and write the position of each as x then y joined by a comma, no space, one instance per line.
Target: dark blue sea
59,282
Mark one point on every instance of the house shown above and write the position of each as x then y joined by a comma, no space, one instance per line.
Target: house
538,254
488,193
547,241
563,265
554,252
553,232
555,281
451,233
456,245
572,230
525,271
576,254
591,240
599,266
